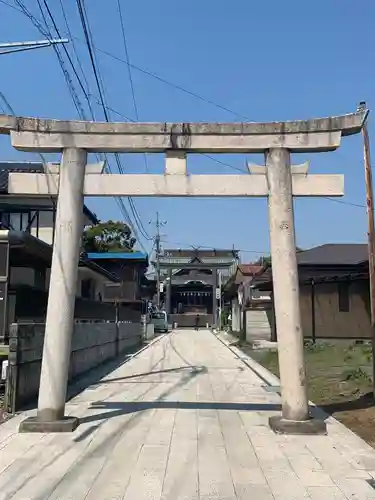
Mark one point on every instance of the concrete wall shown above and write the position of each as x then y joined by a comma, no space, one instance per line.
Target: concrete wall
330,322
92,344
188,320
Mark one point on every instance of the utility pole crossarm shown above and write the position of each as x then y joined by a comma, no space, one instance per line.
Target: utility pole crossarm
9,48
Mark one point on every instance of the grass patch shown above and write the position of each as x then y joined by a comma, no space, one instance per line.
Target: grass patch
339,377
4,351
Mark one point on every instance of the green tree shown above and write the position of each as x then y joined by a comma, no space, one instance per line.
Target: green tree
110,236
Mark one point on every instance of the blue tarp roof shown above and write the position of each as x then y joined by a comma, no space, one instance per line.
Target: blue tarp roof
118,255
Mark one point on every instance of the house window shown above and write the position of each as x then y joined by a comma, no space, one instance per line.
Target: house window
22,221
344,298
87,289
15,221
33,226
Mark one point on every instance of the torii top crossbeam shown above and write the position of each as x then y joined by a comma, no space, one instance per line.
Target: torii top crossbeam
321,134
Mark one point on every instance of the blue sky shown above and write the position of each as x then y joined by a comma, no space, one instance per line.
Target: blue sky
266,60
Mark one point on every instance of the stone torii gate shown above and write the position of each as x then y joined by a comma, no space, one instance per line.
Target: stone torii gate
278,180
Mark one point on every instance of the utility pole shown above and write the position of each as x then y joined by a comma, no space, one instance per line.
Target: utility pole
220,304
158,225
370,235
10,48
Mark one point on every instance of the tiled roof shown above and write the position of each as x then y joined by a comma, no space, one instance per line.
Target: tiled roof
249,269
14,166
30,167
246,272
335,254
333,261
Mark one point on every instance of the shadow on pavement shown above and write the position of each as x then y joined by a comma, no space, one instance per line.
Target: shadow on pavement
194,369
123,408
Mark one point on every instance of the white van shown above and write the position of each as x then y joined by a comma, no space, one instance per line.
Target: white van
160,321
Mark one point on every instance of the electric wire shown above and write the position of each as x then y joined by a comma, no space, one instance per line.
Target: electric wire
118,200
172,84
130,71
99,83
46,32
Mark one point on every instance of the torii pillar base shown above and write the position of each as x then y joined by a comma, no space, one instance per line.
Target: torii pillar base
312,426
35,424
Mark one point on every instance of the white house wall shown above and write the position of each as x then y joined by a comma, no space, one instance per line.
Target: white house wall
45,227
84,274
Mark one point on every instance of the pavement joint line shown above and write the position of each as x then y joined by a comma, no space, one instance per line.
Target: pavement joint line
157,339
265,375
253,365
128,358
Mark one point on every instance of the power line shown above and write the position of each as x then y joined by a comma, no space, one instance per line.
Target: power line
71,88
100,86
221,162
172,84
344,202
155,76
87,95
71,38
133,208
118,200
47,33
127,59
7,103
67,53
129,71
88,44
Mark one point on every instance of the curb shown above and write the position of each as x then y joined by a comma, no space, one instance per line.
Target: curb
157,339
268,378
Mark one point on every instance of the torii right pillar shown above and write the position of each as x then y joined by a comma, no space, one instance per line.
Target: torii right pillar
295,408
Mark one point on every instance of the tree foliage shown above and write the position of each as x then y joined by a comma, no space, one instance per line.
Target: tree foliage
110,236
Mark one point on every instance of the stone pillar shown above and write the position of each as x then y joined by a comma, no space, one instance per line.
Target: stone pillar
295,412
214,299
169,292
61,300
236,313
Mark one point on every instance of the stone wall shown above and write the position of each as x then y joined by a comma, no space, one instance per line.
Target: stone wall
93,343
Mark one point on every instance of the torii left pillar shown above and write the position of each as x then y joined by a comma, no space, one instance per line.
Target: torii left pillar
61,300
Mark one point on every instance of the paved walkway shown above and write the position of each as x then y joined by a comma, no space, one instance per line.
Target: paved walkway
184,420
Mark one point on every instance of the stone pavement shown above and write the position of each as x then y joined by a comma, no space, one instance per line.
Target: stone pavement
186,419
